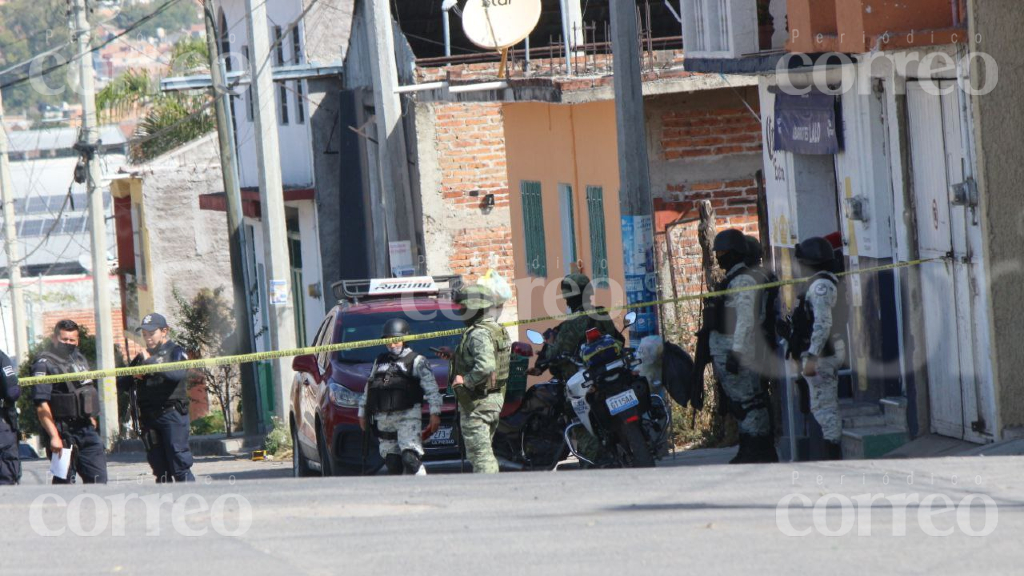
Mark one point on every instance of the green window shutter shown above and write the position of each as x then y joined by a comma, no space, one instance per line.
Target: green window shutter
533,223
598,242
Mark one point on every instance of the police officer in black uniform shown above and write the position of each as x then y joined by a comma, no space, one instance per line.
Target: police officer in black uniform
10,464
163,405
67,411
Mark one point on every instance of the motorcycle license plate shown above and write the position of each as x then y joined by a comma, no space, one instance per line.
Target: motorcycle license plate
443,437
622,402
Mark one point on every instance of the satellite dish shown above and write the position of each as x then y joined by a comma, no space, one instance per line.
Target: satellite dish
499,24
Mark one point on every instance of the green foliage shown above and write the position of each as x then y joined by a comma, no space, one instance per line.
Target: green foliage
178,17
190,56
28,28
212,424
279,438
205,325
171,118
131,90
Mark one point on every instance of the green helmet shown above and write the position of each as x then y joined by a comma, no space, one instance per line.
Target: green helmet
476,297
574,285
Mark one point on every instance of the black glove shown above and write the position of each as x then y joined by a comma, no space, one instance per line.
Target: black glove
732,363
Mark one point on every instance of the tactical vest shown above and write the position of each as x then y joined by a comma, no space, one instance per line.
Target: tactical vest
717,315
74,400
394,386
502,356
803,323
159,391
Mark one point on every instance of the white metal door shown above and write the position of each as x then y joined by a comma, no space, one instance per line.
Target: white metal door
937,157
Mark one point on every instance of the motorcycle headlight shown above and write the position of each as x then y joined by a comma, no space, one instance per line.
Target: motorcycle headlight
341,396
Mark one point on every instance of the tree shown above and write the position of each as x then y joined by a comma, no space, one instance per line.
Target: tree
171,118
28,28
206,326
177,17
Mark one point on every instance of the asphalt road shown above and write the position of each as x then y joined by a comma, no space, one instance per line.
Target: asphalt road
697,518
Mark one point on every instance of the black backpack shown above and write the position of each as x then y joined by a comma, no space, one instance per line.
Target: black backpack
678,377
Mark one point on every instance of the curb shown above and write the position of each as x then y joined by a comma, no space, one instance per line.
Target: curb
212,445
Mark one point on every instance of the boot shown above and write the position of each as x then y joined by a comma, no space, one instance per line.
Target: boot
833,450
743,454
764,450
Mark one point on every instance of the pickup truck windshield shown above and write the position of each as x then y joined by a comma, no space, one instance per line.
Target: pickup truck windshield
357,327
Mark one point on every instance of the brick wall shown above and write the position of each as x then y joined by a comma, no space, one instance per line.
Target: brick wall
87,317
735,204
703,133
471,155
469,146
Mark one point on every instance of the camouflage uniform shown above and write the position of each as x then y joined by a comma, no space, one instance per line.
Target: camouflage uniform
824,388
482,360
744,387
407,424
571,334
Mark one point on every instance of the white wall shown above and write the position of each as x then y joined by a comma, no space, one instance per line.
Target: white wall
295,139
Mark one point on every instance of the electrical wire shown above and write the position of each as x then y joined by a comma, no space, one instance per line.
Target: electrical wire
134,26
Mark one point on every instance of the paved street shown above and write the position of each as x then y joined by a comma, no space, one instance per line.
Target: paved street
720,519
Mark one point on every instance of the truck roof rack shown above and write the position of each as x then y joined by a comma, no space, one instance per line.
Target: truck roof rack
353,291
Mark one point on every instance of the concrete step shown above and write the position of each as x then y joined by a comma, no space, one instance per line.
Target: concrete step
212,445
895,410
849,408
872,442
872,421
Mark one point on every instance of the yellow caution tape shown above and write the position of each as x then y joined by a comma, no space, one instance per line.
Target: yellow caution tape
273,355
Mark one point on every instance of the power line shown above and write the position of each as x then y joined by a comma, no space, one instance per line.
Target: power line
134,26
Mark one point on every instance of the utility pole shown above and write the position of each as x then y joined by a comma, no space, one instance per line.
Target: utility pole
88,146
392,162
275,236
635,202
252,411
11,243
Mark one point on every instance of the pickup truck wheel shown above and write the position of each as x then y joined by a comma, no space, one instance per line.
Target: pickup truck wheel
300,464
326,468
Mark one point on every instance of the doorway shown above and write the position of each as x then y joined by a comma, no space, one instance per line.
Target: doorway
954,323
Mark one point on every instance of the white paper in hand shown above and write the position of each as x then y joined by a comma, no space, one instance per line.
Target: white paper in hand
60,464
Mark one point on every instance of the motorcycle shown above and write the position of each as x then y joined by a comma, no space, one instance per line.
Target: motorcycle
530,437
613,403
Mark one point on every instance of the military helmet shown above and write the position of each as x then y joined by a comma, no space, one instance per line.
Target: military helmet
574,285
753,246
476,297
394,328
731,240
815,251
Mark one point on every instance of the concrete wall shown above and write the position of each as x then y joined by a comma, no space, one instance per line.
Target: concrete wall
999,121
187,247
294,138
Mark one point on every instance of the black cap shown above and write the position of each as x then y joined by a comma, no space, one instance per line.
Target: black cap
153,322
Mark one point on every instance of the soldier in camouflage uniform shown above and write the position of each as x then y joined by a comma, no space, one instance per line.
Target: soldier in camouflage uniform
735,323
577,290
479,374
399,381
819,343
